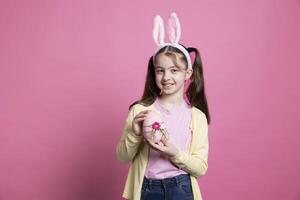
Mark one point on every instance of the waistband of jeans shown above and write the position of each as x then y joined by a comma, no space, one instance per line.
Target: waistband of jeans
176,179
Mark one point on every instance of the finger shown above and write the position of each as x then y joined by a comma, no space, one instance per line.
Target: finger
144,112
152,144
139,119
156,150
165,142
156,146
140,116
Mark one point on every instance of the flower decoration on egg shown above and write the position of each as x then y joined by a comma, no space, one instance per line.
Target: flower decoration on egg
154,128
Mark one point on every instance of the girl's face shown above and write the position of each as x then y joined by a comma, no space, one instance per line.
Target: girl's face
169,77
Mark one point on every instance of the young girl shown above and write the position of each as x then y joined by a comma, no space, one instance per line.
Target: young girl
168,171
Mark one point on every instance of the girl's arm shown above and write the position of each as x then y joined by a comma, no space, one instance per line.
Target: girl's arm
128,145
196,163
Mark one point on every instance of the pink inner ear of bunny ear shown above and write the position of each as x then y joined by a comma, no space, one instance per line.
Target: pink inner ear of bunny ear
174,28
158,31
171,30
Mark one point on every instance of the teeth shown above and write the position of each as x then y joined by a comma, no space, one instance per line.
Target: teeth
168,85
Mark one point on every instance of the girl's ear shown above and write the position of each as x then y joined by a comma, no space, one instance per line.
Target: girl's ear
189,73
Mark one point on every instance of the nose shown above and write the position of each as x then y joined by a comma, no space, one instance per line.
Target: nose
166,75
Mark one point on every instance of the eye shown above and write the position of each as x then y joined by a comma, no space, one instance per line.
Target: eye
159,71
174,70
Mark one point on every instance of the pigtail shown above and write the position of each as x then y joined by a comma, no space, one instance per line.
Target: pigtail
196,90
151,90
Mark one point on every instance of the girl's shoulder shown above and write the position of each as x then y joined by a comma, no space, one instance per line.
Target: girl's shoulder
198,113
197,110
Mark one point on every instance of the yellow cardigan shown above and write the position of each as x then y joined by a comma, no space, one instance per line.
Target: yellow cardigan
132,148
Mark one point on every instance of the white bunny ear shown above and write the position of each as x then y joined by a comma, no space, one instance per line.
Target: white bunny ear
174,28
158,31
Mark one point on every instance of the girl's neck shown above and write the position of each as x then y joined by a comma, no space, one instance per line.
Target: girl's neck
171,101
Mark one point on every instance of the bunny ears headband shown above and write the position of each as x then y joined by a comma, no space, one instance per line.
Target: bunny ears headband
174,31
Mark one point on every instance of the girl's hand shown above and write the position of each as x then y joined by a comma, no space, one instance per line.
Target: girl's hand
168,149
138,122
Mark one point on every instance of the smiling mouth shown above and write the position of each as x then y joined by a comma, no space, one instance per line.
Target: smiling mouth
167,85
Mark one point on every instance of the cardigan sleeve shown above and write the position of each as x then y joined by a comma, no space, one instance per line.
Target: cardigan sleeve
127,146
195,164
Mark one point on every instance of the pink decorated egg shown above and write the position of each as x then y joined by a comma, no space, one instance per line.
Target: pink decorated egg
154,128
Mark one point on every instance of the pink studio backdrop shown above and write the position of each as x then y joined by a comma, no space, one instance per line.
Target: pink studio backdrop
70,69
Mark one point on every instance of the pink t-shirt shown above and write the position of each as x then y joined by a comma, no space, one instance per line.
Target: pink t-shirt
177,122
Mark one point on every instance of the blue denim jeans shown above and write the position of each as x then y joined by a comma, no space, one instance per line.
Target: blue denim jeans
178,187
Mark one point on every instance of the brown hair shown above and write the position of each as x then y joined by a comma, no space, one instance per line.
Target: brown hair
195,92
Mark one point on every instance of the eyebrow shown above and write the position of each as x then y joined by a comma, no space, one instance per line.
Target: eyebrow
167,68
